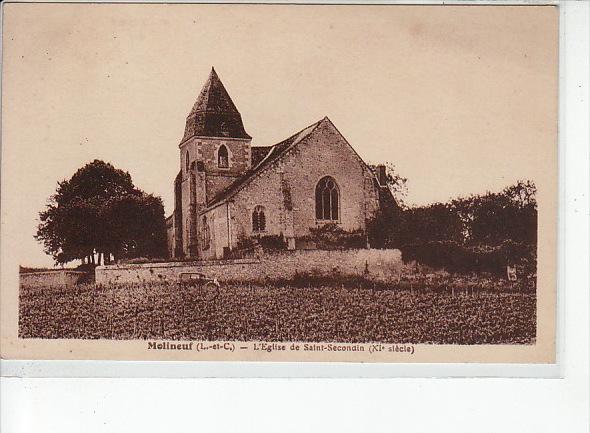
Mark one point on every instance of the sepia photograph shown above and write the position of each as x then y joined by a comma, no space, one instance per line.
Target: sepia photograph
354,183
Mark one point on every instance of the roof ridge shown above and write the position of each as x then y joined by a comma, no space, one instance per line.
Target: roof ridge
294,136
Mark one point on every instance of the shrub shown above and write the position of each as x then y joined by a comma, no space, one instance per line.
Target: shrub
249,245
331,236
141,260
272,242
455,257
245,244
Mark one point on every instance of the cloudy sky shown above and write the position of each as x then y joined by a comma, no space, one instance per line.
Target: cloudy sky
461,99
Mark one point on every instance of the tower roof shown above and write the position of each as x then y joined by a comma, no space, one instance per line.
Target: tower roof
214,113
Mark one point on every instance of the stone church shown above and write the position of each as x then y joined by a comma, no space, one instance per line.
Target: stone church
227,190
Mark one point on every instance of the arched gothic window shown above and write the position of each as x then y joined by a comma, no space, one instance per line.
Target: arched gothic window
258,220
327,200
222,157
187,162
205,234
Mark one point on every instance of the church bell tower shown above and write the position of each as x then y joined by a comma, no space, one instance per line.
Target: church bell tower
214,152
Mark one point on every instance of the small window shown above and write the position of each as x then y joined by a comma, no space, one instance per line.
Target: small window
222,157
327,200
258,220
187,162
205,234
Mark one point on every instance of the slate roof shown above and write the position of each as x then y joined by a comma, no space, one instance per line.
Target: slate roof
214,114
258,153
267,155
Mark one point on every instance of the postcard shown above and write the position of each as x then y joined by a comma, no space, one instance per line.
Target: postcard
262,182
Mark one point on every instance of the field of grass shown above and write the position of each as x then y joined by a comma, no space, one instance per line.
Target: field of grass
447,315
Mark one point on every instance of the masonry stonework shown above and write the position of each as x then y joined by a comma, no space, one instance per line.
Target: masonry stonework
374,265
58,278
324,153
220,185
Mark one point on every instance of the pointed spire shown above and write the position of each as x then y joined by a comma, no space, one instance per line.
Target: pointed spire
214,97
214,114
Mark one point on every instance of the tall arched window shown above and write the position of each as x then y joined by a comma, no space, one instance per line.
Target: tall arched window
258,220
187,162
327,200
205,234
222,157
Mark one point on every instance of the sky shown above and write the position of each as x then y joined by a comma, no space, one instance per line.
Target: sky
460,99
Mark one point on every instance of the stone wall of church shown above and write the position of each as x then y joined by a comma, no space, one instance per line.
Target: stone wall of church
219,232
239,155
170,235
216,183
326,153
287,189
201,182
213,125
265,191
188,153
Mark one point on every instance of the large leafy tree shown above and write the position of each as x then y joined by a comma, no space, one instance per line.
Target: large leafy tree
485,219
492,218
137,226
434,222
99,211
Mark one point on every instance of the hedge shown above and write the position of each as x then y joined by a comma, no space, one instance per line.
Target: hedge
455,257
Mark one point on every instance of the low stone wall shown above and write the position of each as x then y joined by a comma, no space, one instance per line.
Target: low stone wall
376,265
58,278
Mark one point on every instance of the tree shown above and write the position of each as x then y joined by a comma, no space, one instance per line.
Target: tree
81,218
523,193
476,233
485,219
137,226
524,224
492,218
434,222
